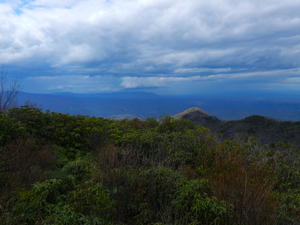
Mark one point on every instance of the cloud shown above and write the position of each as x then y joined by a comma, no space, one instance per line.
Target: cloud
174,84
147,38
201,70
76,84
134,82
53,3
293,79
160,81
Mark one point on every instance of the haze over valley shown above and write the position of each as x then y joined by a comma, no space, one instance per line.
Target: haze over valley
130,104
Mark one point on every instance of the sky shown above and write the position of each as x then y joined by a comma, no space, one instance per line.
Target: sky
160,46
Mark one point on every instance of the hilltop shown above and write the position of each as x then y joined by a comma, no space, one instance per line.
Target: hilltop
265,129
200,117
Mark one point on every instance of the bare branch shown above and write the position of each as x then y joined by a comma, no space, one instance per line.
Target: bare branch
8,92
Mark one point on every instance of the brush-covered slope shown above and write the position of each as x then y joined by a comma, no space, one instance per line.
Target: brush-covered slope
200,117
266,130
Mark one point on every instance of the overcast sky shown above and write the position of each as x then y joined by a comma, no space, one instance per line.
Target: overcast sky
164,46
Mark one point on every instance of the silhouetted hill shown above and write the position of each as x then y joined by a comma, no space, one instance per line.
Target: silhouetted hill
266,130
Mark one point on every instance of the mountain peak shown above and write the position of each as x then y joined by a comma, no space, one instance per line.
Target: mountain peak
200,117
192,110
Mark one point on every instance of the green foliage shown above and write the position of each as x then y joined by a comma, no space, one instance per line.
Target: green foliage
10,129
168,124
61,169
34,206
64,201
194,204
288,208
143,196
71,132
62,214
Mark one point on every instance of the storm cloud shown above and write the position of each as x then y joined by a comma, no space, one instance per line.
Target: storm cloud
150,42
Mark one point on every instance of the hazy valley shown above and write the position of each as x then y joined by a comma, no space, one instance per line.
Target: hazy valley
228,106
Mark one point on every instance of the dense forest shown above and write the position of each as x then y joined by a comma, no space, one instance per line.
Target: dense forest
58,169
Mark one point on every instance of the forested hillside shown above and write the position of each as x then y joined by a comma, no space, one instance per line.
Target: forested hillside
265,130
57,169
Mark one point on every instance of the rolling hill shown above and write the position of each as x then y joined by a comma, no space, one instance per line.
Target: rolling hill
265,129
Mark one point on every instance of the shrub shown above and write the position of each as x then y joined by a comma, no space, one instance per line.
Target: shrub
194,204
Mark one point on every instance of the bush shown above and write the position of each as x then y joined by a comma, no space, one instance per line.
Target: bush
194,204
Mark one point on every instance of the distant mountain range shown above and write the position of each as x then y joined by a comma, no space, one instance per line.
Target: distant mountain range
142,104
232,116
266,130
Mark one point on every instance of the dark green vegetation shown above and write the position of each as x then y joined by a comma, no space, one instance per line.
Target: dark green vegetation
265,130
57,169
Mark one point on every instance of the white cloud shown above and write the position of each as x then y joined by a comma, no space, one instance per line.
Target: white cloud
76,84
53,3
293,80
134,82
202,70
109,83
125,36
160,81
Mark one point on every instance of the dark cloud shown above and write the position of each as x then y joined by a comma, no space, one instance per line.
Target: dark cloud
154,41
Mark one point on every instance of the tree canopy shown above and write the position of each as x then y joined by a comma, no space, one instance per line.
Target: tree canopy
60,169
